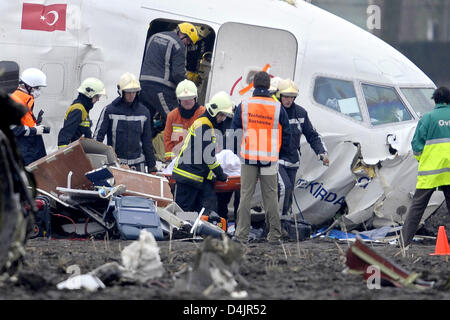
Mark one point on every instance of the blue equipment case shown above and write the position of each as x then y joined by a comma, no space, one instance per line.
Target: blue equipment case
133,214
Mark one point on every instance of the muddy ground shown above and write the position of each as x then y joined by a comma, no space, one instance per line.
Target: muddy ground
308,270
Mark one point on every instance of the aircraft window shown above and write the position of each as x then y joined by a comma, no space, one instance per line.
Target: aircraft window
338,95
384,105
419,99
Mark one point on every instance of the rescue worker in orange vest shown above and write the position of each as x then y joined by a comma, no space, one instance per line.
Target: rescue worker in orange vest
196,164
29,135
76,122
181,118
266,136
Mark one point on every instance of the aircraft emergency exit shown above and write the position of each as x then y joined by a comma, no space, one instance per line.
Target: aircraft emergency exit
362,95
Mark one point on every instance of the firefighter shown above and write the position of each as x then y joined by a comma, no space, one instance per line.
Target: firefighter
196,164
181,118
299,124
126,123
77,122
29,134
266,136
164,66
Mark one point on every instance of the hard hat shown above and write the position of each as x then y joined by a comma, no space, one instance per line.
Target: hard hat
128,83
274,84
34,78
220,102
203,31
186,90
91,87
189,30
287,88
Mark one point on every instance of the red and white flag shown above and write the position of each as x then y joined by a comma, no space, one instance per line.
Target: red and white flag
44,18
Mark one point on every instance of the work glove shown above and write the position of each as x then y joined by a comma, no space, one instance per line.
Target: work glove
152,170
40,130
213,216
222,177
194,77
324,158
39,117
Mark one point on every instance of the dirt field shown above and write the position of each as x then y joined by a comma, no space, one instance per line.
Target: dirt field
309,270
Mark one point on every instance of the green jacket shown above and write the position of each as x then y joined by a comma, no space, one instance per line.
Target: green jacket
431,147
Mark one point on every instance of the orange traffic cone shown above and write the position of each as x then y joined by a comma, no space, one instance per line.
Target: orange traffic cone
442,247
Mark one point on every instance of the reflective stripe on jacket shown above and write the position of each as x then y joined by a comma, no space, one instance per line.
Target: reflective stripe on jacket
193,166
128,130
165,60
76,122
176,130
431,147
262,130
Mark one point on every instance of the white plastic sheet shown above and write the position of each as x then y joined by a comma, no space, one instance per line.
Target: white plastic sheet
230,163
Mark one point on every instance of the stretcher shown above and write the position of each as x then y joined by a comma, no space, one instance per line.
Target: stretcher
233,183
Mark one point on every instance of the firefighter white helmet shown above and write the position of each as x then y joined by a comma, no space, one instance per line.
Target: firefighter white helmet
34,78
91,87
220,102
186,90
128,83
274,84
287,88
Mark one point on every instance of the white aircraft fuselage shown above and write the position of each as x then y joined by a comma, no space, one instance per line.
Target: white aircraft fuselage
362,96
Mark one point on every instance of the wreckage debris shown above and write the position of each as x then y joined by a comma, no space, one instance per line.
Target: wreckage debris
141,259
84,192
215,270
363,260
141,263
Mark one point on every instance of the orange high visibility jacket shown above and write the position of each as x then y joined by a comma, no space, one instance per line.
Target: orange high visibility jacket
262,129
27,100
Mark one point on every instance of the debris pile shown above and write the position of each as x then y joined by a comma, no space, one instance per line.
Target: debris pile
84,192
215,270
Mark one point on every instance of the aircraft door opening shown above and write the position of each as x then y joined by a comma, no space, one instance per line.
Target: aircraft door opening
198,56
241,50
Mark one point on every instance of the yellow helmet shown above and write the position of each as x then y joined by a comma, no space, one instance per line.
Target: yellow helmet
220,102
287,88
91,87
186,90
189,30
128,83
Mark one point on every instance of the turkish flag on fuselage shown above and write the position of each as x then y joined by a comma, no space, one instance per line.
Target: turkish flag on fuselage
44,18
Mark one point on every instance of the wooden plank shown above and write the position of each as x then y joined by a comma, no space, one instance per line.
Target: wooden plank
52,171
143,184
